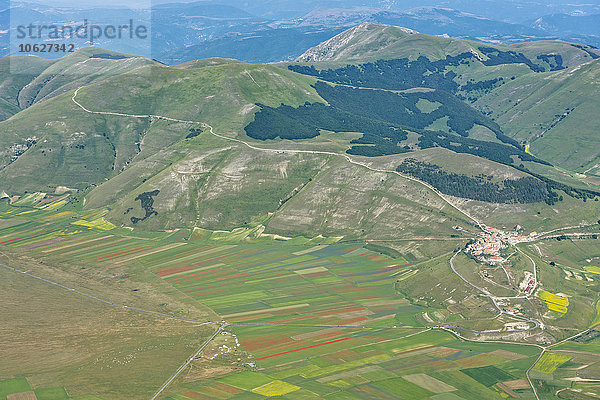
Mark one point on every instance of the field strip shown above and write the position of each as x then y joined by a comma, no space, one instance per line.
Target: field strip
303,348
72,244
34,229
349,374
375,303
382,318
12,240
201,253
251,281
125,244
429,383
191,271
423,330
306,251
313,270
159,250
330,153
313,334
266,310
183,260
115,258
68,253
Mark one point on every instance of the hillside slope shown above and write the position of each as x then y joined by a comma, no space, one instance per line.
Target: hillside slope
540,93
218,144
555,115
26,80
67,139
369,42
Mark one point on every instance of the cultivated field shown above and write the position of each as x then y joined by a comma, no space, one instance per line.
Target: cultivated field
305,318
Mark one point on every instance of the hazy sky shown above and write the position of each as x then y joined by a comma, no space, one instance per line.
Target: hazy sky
105,3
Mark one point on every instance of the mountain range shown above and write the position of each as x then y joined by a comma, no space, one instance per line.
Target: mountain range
260,33
387,214
222,144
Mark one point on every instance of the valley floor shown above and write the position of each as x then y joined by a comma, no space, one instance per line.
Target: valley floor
299,318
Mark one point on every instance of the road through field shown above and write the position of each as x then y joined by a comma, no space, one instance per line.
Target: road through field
493,298
184,366
222,324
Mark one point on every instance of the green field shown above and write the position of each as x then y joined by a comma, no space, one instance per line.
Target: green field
297,312
487,376
16,385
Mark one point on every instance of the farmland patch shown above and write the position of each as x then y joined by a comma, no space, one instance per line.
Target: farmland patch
429,383
550,362
488,375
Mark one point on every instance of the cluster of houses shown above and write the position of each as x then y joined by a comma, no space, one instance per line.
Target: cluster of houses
489,243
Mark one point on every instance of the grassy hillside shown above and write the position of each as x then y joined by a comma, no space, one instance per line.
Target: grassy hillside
154,173
371,42
542,94
71,148
12,83
78,69
75,148
200,180
554,114
221,94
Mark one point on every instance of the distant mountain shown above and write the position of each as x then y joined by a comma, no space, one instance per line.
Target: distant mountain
13,14
291,9
381,41
177,27
265,45
514,11
580,28
430,20
254,40
271,31
568,24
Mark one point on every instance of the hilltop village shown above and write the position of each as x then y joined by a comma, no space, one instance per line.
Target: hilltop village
489,244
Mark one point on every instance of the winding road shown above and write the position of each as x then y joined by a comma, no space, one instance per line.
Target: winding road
222,324
292,151
493,298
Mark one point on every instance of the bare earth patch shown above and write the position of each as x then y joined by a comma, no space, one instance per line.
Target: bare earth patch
21,396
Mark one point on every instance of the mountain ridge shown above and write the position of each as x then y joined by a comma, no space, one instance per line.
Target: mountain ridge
382,37
200,178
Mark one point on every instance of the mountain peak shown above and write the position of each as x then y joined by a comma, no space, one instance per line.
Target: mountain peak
354,40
